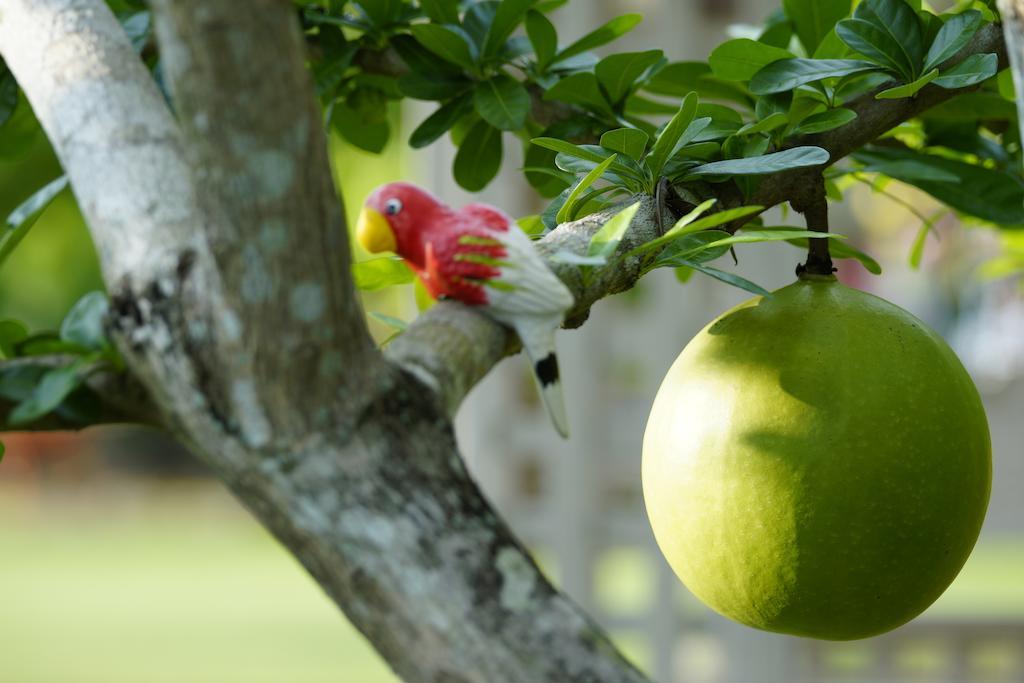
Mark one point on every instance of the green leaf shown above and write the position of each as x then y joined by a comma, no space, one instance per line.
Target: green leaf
556,145
476,22
825,121
21,220
543,37
971,71
740,59
729,278
421,60
379,273
910,89
912,169
845,250
354,126
580,89
441,11
438,87
479,157
448,44
381,12
986,193
510,13
11,332
692,223
83,325
813,19
617,73
952,37
569,208
765,125
628,141
900,22
50,392
680,78
390,320
503,102
917,251
440,122
877,44
797,157
606,240
8,95
666,144
787,74
605,34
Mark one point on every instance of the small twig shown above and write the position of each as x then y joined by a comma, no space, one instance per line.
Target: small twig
813,204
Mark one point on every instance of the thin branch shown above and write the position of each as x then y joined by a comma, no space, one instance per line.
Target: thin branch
813,204
437,344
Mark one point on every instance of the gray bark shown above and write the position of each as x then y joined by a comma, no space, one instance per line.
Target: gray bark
235,309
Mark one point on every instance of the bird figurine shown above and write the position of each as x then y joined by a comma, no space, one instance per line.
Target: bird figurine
480,256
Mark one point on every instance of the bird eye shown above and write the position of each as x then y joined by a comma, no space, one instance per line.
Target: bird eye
393,206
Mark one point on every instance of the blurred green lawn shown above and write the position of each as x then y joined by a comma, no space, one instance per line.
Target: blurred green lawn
175,582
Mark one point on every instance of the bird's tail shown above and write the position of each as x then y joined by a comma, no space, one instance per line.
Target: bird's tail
539,343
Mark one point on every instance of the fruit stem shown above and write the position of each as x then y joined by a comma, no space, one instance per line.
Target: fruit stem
814,206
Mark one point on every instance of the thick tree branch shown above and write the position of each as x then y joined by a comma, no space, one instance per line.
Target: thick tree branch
107,397
256,141
366,487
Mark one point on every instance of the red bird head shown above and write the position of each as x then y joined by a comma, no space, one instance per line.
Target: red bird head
395,216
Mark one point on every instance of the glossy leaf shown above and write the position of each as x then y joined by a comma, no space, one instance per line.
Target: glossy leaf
952,37
797,157
909,89
665,146
543,37
564,147
971,71
787,74
900,22
825,121
446,43
83,325
353,125
568,209
579,89
765,125
876,44
729,278
606,240
440,122
478,158
740,59
50,392
610,31
813,19
628,141
379,273
381,12
391,321
441,11
503,102
509,15
986,193
617,73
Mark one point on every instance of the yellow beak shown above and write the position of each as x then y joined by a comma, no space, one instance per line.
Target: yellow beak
373,231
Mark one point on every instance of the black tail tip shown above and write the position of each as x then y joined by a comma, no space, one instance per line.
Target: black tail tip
547,369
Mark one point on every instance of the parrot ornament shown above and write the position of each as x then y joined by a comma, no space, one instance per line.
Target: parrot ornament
480,256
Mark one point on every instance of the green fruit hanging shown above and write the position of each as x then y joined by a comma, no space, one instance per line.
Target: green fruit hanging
817,463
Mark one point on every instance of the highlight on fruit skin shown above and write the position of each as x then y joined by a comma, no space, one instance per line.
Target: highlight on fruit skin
817,463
